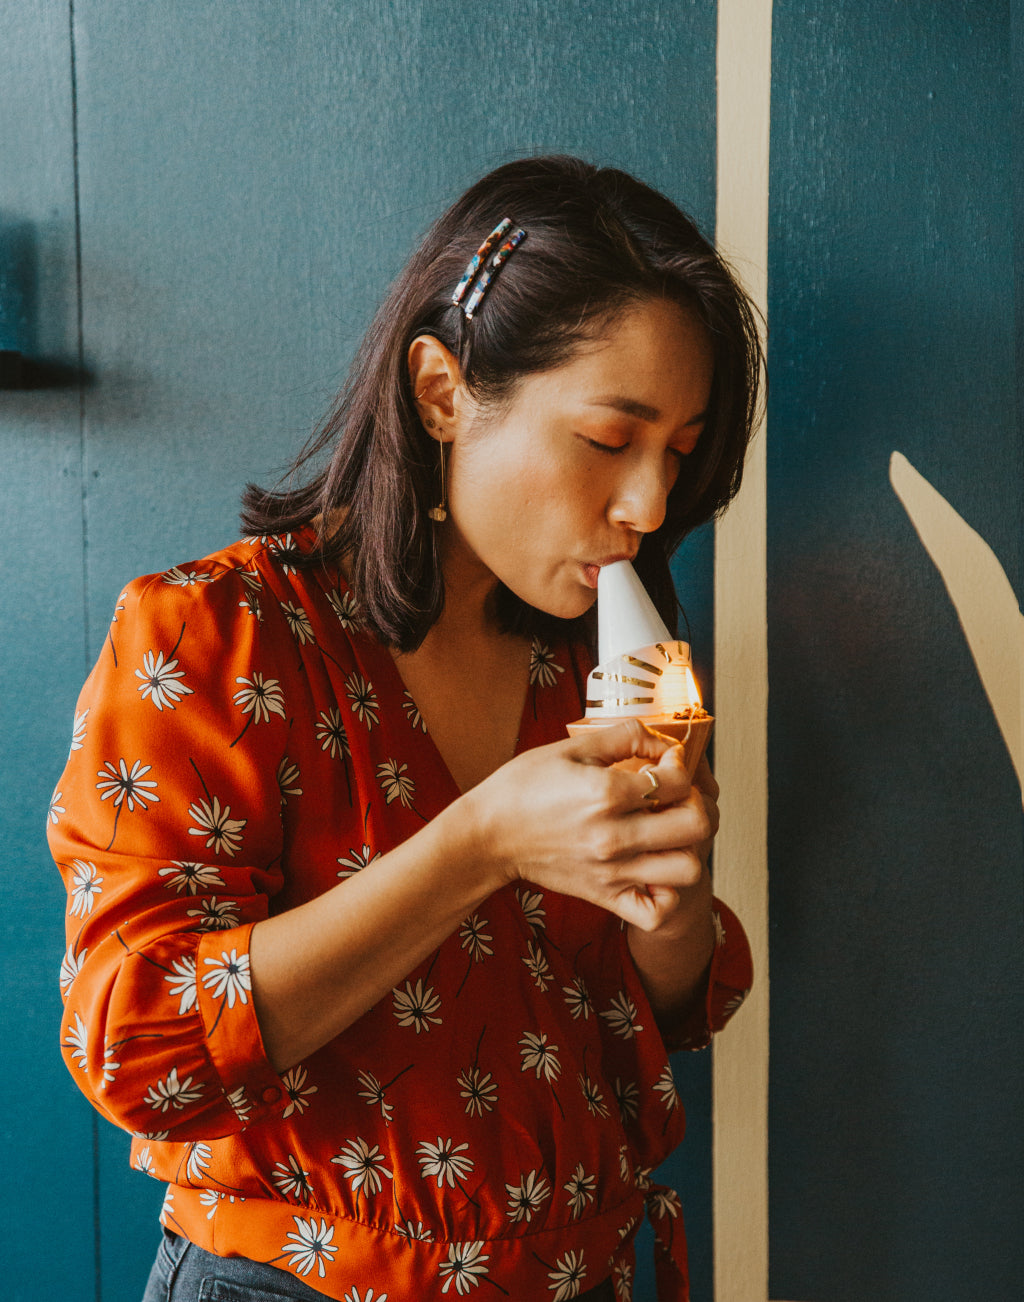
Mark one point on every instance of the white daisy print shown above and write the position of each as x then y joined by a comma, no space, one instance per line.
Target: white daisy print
110,1067
622,1278
418,1231
129,786
345,607
210,1198
537,966
78,732
353,1295
622,1015
199,1158
716,921
543,667
577,996
475,939
180,578
299,1093
625,1166
415,1006
596,1105
580,1188
373,1094
86,884
311,1245
463,1266
291,1179
480,1090
363,698
664,1202
665,1086
442,1161
261,697
531,903
330,733
280,548
239,1102
288,779
298,622
215,914
144,1162
393,782
526,1197
77,1039
363,1166
628,1098
172,1092
70,966
55,808
161,681
191,877
356,860
734,1002
567,1277
228,977
223,833
539,1056
412,712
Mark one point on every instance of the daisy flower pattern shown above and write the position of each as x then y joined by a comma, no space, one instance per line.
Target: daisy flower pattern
463,1267
594,1098
223,833
287,779
298,622
664,1202
544,669
537,966
70,966
180,578
419,1231
240,1105
578,998
665,1087
172,1093
161,681
475,939
622,1015
55,808
627,1097
261,697
129,787
394,783
412,712
330,733
580,1188
363,1166
86,884
78,732
356,860
191,877
622,1278
353,1295
310,1245
216,915
363,699
479,1091
199,1158
532,905
228,977
539,1056
416,1007
345,607
143,1162
567,1277
77,1040
110,1067
290,1178
441,1161
299,1093
373,1094
526,1197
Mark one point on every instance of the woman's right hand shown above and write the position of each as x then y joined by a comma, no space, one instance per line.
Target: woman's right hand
563,816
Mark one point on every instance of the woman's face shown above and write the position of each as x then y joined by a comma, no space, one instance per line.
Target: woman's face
571,475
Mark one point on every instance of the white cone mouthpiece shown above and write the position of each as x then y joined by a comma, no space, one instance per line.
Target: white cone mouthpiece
626,616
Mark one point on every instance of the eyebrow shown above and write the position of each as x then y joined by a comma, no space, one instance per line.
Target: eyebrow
630,407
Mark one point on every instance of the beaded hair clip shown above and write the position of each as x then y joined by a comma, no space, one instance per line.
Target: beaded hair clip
485,277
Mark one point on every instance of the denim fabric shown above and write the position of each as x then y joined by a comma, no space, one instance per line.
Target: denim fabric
184,1273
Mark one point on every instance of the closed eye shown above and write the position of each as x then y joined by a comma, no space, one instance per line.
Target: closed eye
611,448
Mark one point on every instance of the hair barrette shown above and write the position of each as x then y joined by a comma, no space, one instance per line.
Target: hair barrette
497,260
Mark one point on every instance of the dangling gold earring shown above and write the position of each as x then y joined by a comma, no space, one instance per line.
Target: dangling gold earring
439,513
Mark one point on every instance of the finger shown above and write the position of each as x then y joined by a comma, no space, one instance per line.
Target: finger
617,742
705,779
681,827
644,908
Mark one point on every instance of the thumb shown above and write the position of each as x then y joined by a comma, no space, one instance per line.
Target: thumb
613,743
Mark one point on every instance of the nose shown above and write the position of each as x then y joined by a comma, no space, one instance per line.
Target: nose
641,496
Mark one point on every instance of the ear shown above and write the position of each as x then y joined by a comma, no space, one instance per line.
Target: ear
436,385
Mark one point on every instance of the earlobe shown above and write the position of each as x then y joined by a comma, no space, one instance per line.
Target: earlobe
434,376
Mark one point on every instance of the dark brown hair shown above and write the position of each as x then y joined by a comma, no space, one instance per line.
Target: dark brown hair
597,242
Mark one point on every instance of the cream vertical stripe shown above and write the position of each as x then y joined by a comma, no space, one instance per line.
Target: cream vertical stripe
740,1067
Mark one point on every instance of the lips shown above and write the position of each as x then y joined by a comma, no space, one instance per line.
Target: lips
591,569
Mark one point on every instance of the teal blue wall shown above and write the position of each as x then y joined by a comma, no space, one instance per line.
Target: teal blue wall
249,179
201,203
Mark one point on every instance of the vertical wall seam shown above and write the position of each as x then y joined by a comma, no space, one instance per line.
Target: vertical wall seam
740,1061
86,639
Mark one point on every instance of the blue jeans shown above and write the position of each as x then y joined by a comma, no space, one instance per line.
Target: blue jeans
184,1273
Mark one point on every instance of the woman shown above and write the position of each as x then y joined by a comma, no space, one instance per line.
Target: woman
380,969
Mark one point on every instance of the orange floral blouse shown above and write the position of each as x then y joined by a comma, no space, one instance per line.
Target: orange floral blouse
241,746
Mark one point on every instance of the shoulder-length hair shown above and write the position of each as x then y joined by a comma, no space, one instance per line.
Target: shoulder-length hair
597,243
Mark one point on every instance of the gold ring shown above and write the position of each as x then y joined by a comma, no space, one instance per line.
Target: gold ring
649,773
